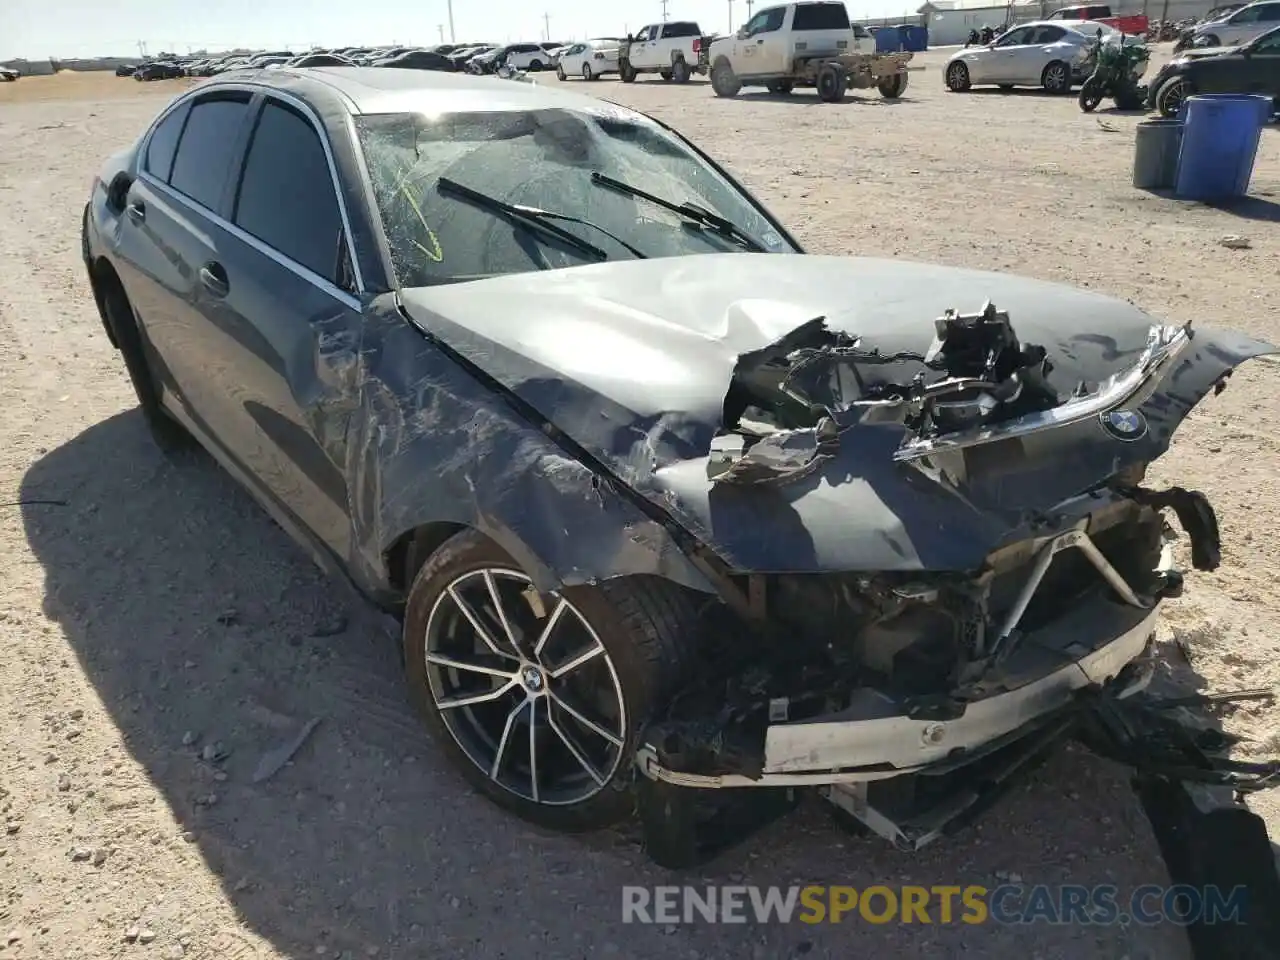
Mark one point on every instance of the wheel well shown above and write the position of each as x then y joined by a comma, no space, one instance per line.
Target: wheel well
722,61
410,551
105,283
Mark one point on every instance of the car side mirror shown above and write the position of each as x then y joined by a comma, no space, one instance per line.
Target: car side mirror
742,33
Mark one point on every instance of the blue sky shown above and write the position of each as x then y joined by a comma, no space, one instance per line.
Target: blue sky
76,28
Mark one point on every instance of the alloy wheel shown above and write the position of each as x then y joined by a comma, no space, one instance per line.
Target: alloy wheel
525,687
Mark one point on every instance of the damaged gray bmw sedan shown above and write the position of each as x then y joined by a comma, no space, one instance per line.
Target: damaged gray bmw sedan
672,512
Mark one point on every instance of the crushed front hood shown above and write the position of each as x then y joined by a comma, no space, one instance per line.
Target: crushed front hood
632,360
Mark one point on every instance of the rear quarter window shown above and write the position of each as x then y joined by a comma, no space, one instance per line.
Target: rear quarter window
682,29
164,144
206,151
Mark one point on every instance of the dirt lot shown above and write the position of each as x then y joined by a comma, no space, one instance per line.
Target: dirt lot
153,611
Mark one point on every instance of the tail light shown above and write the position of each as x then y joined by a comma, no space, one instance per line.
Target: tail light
697,45
597,56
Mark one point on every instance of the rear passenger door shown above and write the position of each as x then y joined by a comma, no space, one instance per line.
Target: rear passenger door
168,236
287,311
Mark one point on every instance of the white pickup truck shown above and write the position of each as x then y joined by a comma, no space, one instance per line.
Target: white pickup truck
810,43
671,50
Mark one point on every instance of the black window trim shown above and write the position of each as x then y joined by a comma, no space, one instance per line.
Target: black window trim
257,95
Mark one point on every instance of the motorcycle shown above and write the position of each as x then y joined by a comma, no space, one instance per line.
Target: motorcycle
1118,67
972,40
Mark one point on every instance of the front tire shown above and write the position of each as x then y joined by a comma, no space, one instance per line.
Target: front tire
627,72
724,81
560,75
535,66
540,700
1211,40
1171,96
1056,78
957,78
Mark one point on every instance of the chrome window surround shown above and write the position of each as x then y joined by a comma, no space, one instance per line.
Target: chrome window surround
270,252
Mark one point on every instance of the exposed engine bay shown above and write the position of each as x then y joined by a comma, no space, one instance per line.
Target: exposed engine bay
911,699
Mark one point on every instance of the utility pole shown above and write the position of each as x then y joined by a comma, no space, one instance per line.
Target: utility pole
546,20
750,4
440,27
452,37
731,16
664,10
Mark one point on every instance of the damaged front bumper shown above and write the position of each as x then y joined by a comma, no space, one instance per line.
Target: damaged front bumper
877,736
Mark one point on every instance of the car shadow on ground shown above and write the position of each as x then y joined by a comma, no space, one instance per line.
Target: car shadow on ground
200,624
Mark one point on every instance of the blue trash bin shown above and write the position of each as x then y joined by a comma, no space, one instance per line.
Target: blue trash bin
1219,143
887,40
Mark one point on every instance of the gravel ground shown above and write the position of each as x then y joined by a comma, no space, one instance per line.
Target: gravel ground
164,634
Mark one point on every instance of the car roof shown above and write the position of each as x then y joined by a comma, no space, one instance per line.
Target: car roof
389,90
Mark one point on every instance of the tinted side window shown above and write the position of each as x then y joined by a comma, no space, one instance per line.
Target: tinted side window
164,143
820,16
205,152
1270,14
286,197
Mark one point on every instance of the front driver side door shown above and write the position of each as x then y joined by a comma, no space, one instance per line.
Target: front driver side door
773,44
285,336
1000,62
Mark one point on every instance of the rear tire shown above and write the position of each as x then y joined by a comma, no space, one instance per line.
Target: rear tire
586,72
892,87
169,435
679,71
560,75
1211,40
513,745
1056,78
535,66
627,72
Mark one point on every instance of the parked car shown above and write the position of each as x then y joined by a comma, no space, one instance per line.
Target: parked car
321,60
9,74
1133,25
518,56
1238,27
1253,67
682,464
161,70
461,59
125,69
590,60
1052,55
418,60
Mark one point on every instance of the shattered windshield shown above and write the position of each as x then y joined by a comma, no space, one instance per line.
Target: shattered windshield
542,159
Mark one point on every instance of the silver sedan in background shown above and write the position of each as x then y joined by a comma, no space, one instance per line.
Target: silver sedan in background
1048,54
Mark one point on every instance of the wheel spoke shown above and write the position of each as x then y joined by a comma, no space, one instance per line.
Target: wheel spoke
502,614
533,748
591,725
487,697
476,625
506,734
439,661
573,749
577,661
552,620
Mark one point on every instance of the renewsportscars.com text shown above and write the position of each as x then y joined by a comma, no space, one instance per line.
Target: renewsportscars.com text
941,904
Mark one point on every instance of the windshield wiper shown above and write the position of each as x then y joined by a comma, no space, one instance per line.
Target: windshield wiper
539,219
690,211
